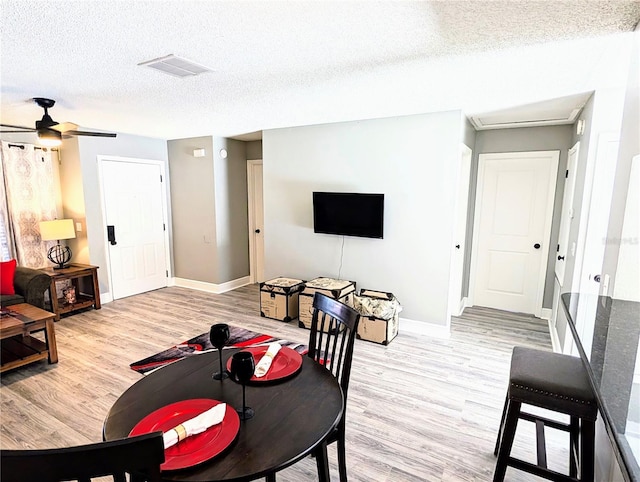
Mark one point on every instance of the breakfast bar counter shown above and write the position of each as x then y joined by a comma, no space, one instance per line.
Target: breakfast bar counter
607,332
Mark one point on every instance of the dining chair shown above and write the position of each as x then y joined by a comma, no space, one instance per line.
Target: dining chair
333,333
140,457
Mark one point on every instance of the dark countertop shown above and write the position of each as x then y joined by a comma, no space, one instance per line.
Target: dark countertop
607,334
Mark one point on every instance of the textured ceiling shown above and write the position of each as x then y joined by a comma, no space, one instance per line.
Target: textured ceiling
286,63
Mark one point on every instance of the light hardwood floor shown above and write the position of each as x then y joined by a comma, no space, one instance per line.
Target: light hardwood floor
420,409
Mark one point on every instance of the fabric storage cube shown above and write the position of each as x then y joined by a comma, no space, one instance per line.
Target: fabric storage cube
341,290
279,298
379,314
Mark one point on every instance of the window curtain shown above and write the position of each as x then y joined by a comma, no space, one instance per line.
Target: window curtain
27,197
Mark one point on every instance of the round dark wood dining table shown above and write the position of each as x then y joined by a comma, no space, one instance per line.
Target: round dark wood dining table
292,417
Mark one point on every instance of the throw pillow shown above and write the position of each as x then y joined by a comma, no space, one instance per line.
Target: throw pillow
7,271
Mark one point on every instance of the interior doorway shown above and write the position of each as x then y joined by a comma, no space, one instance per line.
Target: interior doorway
512,227
134,208
256,220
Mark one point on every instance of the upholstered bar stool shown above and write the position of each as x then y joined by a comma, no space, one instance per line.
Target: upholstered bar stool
554,382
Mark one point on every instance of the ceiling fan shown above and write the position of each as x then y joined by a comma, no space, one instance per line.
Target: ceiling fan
50,132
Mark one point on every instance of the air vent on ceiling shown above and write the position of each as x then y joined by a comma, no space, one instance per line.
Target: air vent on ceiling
176,66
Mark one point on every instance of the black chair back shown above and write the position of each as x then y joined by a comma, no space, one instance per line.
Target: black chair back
333,332
139,456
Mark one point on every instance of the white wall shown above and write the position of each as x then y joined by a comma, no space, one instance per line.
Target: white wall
413,160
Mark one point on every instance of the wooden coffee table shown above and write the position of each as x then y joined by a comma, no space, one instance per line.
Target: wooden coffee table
18,347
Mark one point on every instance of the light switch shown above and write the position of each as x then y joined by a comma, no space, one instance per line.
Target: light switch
79,227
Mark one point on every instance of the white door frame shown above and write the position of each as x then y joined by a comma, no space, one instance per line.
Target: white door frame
251,164
134,160
600,178
456,301
547,223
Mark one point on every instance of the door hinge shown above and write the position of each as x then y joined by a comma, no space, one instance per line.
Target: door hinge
558,249
566,174
164,227
166,272
160,177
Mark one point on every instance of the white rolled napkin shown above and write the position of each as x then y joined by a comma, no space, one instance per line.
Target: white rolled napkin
194,426
265,362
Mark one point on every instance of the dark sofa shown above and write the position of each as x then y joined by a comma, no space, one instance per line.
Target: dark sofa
30,286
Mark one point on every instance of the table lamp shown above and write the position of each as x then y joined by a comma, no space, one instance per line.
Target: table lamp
55,231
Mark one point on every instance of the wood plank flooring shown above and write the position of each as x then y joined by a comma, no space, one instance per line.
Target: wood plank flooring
420,409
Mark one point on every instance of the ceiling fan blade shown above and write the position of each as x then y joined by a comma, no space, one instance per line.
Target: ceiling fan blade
14,132
86,133
26,129
64,127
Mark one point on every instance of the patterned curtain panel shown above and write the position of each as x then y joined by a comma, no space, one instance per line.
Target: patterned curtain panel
29,198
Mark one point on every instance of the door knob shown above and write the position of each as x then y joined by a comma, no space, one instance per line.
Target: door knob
537,245
560,258
596,278
257,231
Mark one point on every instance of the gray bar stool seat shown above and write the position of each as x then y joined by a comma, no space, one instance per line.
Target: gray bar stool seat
554,382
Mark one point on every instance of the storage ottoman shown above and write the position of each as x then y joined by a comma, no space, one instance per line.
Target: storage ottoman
341,290
379,313
279,298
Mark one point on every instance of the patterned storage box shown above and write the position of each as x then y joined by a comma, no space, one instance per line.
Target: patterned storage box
279,298
338,289
379,313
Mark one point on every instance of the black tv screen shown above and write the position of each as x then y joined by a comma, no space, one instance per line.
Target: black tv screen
348,214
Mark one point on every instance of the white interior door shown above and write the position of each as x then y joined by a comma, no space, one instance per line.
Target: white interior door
514,208
457,261
256,221
562,250
134,209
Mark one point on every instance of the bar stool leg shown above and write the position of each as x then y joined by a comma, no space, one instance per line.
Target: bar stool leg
501,429
574,446
509,432
587,455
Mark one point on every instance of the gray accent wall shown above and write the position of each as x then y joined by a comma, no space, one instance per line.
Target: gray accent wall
209,207
193,209
254,150
546,138
231,200
414,160
468,134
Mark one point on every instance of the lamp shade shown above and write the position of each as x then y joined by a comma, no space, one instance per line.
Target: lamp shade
57,229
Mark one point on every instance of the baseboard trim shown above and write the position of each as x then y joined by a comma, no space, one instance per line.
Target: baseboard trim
423,328
464,303
545,313
211,287
555,339
106,297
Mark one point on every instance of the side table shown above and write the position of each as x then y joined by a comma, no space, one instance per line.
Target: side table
84,278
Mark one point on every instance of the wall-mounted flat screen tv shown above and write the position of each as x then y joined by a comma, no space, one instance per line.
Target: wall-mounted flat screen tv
348,214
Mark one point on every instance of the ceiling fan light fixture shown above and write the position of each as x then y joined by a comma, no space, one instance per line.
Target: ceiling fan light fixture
49,137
